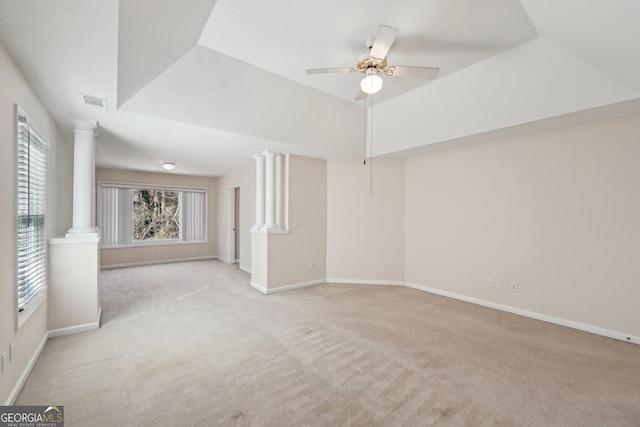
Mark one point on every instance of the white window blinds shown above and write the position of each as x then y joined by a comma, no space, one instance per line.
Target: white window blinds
194,220
32,196
115,216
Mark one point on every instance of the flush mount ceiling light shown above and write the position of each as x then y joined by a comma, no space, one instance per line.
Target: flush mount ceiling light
372,82
169,166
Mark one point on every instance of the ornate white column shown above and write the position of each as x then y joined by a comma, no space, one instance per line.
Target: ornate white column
268,193
260,192
270,189
84,161
279,191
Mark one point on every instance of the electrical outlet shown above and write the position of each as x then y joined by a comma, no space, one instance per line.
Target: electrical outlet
312,265
490,282
3,362
12,351
514,287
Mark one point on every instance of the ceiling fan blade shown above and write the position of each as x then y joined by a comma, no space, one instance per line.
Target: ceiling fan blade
415,72
360,95
383,41
328,70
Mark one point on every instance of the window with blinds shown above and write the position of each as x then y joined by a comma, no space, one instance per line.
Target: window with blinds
137,214
32,196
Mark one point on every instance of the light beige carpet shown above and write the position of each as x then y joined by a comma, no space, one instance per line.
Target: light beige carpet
191,344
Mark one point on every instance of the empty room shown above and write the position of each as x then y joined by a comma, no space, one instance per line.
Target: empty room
281,213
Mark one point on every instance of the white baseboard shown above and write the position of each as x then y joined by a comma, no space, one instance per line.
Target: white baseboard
286,287
75,329
34,358
532,314
296,286
367,282
254,285
162,261
634,339
241,267
27,371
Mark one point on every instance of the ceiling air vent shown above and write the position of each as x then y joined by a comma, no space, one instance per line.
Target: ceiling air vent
94,101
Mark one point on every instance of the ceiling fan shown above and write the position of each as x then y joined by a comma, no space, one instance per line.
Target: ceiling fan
374,61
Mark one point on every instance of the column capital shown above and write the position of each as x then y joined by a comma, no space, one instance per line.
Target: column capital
257,157
270,154
85,125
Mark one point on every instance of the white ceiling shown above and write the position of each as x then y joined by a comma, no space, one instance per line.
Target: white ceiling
206,84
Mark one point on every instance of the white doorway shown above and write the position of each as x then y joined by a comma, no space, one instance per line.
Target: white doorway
234,224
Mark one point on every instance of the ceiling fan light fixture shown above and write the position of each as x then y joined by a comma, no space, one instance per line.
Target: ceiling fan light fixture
169,166
372,82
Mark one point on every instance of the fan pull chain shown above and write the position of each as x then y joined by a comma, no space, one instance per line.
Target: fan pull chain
368,136
371,143
366,123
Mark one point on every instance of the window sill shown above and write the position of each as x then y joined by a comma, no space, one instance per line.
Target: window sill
31,307
155,243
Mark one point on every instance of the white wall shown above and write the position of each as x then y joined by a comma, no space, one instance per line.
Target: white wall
246,179
74,290
14,89
365,230
157,253
556,212
289,255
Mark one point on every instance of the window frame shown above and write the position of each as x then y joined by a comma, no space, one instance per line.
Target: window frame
30,305
143,186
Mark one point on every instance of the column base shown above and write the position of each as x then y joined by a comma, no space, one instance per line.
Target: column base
79,233
265,230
